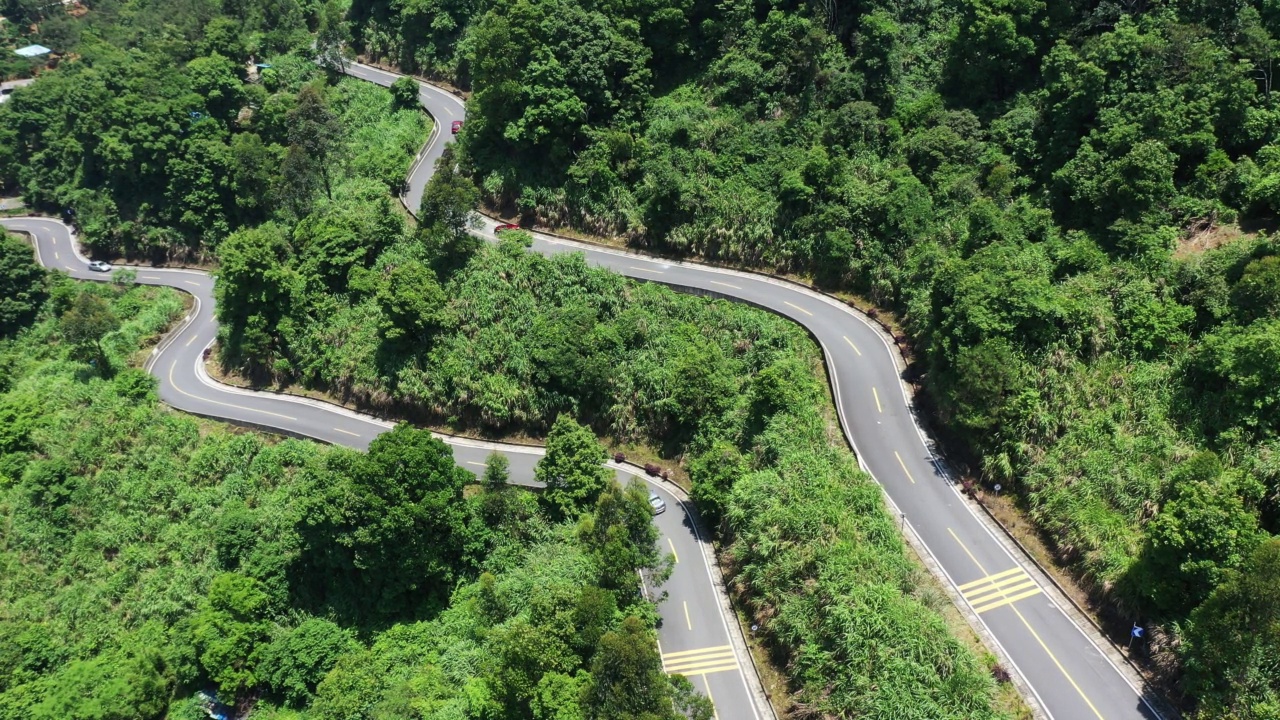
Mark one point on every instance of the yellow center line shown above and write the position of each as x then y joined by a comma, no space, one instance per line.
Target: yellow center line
348,432
687,621
714,714
149,277
56,256
1034,634
193,339
855,347
472,462
735,287
904,468
655,272
191,282
806,312
216,402
673,550
877,396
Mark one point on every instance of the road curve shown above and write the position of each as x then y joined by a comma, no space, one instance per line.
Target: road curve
1069,677
1067,673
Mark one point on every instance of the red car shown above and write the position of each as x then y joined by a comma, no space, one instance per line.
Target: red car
457,125
505,226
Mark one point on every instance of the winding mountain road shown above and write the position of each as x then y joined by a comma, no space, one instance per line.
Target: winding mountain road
1068,675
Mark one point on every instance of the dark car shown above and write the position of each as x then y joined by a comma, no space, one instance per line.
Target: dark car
504,227
457,125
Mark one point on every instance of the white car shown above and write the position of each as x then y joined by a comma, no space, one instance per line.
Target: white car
100,266
657,503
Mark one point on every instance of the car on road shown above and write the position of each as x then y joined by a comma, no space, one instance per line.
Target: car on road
504,227
100,266
657,503
456,126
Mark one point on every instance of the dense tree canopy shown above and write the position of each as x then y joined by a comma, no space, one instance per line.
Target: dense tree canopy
192,557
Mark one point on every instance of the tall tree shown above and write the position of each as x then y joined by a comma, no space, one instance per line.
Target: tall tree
315,136
573,469
88,321
382,533
22,285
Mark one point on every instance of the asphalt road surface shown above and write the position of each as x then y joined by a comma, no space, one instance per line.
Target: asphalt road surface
1069,676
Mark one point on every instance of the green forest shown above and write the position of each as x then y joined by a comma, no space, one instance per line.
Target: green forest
1067,207
146,556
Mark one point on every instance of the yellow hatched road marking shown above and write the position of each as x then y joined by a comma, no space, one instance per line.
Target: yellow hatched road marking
703,665
700,662
998,590
705,671
904,467
1008,600
684,653
1001,589
1034,634
806,312
987,579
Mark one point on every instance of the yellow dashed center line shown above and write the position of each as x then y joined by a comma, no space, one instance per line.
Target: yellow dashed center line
472,462
348,432
687,621
1031,630
655,272
904,467
193,339
191,282
806,312
735,287
673,550
216,402
855,347
56,256
877,397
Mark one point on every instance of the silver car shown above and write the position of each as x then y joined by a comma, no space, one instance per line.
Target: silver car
100,266
657,503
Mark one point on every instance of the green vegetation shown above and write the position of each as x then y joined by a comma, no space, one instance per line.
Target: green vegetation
147,555
22,285
1013,179
158,142
512,340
